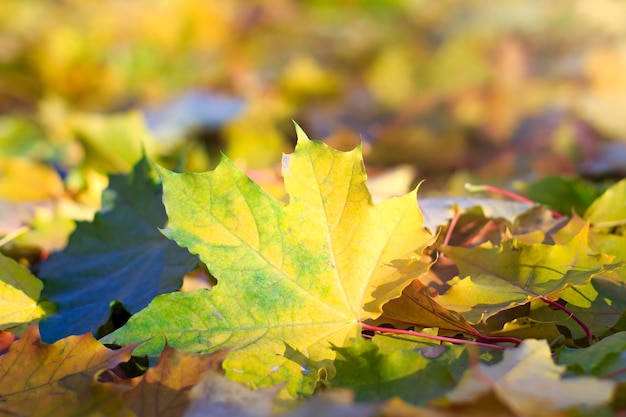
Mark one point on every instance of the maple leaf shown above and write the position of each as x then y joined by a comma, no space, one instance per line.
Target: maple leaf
594,359
304,274
599,304
121,256
416,306
376,372
19,295
563,194
163,391
534,328
530,384
218,396
609,209
497,278
602,301
58,379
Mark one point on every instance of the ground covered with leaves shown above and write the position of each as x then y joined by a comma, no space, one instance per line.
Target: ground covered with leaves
171,244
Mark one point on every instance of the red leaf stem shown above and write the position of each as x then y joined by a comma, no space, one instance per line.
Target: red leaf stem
509,194
433,337
500,339
488,227
585,328
453,221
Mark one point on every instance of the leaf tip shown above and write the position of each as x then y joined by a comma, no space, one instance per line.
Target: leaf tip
302,136
414,191
161,171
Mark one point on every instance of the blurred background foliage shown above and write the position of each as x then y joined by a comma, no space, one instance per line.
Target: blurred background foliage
477,90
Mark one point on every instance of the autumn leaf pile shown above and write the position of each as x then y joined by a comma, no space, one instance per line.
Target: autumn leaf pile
325,304
145,273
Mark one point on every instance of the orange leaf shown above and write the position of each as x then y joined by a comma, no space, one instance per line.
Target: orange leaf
416,306
164,388
58,379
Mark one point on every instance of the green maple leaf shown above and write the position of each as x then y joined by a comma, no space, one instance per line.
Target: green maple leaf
120,256
377,372
497,278
600,304
595,359
609,209
304,274
562,194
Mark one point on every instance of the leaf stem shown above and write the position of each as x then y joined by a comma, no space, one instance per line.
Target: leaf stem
453,221
500,339
434,337
509,194
585,328
498,190
488,227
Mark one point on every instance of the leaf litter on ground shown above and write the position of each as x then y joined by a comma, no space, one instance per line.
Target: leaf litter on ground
296,282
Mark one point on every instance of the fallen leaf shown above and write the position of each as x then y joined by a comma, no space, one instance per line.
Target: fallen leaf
561,193
19,295
304,275
609,209
600,304
163,391
217,396
416,307
589,360
526,328
58,379
530,384
120,256
497,278
405,373
438,210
